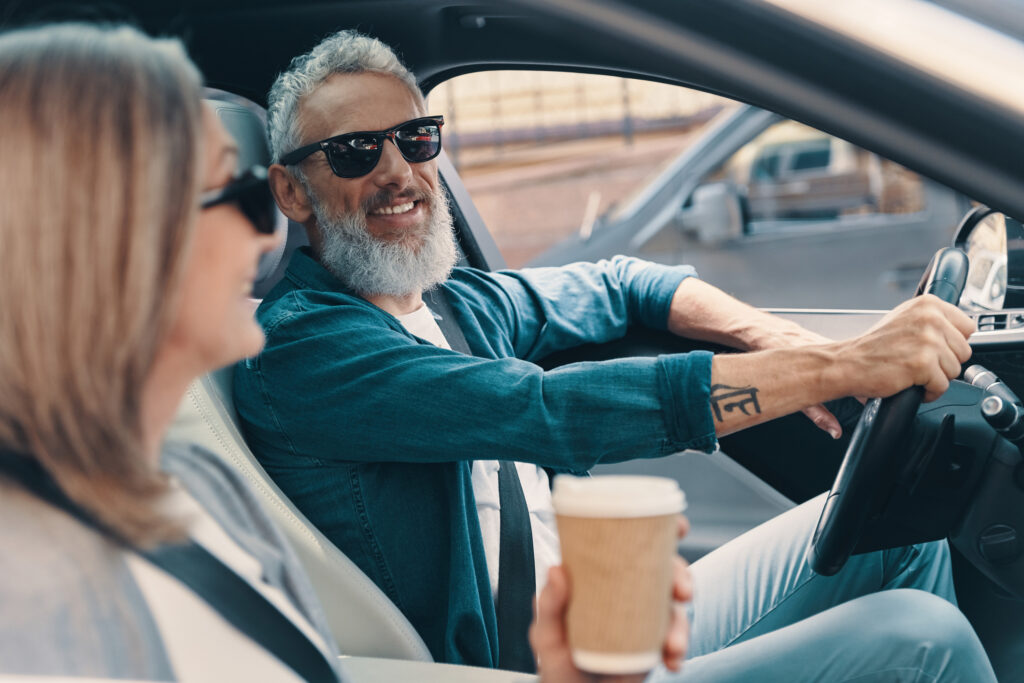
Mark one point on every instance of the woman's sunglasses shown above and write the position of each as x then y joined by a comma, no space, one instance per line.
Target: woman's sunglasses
352,155
251,192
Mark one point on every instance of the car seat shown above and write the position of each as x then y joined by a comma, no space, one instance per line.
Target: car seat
364,621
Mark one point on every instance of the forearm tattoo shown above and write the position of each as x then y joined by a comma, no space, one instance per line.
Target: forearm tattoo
727,399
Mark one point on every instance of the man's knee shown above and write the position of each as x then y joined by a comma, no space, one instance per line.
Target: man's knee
926,624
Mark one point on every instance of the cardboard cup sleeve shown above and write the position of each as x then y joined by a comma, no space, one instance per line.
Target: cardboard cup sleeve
619,557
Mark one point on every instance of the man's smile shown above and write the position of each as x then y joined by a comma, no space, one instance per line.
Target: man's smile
394,209
395,219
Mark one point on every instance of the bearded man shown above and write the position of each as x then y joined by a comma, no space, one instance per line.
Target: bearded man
389,440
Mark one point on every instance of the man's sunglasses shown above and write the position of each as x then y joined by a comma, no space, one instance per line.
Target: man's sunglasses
251,192
352,155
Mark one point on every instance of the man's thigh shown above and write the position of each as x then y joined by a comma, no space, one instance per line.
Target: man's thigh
892,636
761,581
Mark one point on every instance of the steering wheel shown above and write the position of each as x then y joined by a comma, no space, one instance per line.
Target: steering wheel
871,463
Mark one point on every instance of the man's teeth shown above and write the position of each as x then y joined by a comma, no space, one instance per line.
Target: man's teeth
397,208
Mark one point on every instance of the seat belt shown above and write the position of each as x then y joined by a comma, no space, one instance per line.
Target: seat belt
437,302
228,594
517,578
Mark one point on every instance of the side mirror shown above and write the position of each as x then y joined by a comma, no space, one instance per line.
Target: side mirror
994,244
715,213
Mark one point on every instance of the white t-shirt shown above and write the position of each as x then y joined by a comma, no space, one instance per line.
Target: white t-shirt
536,488
200,644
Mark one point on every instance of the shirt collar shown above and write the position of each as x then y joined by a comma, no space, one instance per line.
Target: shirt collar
307,272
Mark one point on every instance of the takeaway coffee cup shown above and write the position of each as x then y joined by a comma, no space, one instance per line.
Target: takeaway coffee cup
618,536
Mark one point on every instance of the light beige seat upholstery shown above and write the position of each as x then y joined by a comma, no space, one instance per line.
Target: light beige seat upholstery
364,621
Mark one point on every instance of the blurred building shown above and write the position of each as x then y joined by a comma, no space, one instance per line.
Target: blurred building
544,153
490,114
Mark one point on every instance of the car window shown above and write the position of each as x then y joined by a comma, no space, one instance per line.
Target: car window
544,154
565,167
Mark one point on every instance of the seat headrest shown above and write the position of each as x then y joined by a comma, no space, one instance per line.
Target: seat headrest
246,123
247,126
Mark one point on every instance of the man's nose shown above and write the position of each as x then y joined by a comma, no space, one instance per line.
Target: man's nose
392,169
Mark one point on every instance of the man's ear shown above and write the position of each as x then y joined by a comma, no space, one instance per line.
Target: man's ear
289,194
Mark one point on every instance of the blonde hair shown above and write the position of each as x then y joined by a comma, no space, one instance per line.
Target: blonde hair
99,174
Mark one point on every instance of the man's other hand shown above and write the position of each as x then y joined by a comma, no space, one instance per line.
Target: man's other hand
550,642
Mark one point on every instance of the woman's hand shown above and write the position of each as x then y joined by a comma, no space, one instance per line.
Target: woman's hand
550,642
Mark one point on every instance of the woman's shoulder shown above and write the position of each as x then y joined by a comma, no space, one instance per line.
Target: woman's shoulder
218,488
226,496
70,604
45,547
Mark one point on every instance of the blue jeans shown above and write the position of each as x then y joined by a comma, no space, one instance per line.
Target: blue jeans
760,614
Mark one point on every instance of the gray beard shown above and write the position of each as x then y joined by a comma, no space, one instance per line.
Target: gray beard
372,267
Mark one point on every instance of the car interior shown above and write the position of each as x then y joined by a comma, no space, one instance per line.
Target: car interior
753,52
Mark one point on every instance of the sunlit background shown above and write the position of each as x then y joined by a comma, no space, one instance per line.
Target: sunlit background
566,166
544,153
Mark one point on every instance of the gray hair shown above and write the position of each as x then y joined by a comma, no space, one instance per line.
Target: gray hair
347,52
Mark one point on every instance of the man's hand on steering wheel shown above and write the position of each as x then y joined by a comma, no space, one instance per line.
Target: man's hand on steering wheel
922,342
910,356
790,368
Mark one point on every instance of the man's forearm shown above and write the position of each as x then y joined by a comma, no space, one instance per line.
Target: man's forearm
750,388
702,311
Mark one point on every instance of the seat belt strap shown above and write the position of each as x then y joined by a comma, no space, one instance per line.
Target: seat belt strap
243,607
437,302
516,574
517,579
223,590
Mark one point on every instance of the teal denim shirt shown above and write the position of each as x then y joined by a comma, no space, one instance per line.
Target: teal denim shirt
371,430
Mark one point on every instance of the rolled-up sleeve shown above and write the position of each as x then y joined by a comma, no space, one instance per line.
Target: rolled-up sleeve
685,385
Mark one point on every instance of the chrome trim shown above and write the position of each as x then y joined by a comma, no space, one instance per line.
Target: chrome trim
994,337
825,311
989,338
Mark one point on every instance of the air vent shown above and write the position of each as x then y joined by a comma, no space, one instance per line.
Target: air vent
989,322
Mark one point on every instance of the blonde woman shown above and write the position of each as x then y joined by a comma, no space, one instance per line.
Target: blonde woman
127,248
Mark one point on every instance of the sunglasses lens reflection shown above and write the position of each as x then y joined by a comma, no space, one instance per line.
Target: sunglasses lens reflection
349,161
356,155
419,142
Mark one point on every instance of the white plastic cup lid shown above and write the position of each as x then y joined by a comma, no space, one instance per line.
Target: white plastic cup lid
617,496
